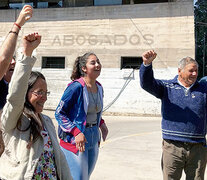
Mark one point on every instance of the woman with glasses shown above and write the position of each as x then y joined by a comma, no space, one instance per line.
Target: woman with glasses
31,147
79,117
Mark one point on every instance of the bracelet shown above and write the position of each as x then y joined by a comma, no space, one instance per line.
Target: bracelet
17,25
14,32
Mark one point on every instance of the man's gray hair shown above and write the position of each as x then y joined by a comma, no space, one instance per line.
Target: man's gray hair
187,60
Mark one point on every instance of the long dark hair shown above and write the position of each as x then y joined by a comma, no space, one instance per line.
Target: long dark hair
29,109
32,80
80,62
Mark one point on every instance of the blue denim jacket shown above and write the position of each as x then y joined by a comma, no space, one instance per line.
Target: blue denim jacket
72,110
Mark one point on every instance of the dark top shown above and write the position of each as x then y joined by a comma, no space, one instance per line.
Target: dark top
3,92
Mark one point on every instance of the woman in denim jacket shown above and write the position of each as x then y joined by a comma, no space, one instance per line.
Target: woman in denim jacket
79,117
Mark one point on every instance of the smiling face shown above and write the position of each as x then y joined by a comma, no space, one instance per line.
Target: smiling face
188,75
9,73
92,68
37,99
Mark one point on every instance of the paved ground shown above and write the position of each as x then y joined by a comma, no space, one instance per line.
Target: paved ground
132,150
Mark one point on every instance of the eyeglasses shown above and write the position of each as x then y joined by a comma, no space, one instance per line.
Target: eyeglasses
41,93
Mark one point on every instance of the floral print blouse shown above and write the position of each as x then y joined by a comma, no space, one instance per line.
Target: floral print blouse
46,165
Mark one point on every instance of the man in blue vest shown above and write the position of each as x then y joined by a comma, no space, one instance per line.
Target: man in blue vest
7,62
183,118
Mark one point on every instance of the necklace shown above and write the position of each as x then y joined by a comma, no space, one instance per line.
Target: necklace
95,99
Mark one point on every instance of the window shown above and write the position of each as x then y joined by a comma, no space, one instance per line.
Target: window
77,3
130,62
107,2
53,62
4,4
143,1
18,4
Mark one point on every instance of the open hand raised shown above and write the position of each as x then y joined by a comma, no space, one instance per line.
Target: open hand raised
25,15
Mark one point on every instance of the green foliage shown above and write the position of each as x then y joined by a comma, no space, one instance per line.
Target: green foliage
200,11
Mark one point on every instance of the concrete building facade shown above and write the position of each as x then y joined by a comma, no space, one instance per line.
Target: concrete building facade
113,33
